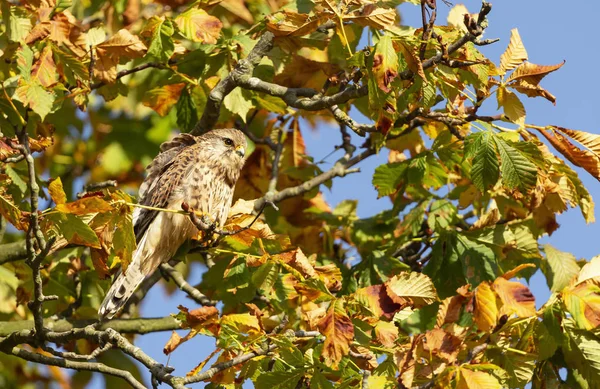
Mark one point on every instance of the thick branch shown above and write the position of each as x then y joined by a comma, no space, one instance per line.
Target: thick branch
125,326
14,251
76,365
225,86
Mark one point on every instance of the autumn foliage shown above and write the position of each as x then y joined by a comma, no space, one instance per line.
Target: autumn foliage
427,294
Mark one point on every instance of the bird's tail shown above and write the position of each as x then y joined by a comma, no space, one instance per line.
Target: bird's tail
123,287
120,291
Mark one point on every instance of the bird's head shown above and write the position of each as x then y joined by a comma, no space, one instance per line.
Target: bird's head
229,145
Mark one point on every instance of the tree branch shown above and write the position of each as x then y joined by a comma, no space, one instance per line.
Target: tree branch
180,281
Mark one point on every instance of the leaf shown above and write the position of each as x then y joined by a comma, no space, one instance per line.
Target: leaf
559,268
279,379
386,333
187,112
288,23
414,288
385,63
85,206
590,270
73,229
123,43
57,193
163,98
516,298
238,103
32,94
514,55
582,352
198,26
17,22
586,159
517,170
469,379
582,300
513,107
44,70
338,330
526,79
160,31
374,16
9,210
174,341
388,177
485,312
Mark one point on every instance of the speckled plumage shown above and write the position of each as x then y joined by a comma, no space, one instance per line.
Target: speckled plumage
199,170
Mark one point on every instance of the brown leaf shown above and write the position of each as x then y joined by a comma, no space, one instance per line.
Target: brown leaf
586,159
288,23
174,341
109,52
442,343
338,329
44,69
377,301
386,333
197,317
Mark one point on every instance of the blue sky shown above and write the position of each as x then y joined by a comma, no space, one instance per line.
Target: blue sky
552,32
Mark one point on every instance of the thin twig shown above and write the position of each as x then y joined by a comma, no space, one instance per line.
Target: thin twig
180,281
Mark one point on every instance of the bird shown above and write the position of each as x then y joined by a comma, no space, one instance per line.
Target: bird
198,170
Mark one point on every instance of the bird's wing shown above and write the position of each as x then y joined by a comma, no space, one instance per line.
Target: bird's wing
166,182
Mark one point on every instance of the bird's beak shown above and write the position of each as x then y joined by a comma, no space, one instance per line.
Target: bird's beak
240,151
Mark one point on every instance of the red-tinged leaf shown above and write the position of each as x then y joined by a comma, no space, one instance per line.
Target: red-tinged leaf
163,98
443,344
338,329
57,192
385,63
516,298
376,300
583,303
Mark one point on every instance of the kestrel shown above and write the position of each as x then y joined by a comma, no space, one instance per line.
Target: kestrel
198,170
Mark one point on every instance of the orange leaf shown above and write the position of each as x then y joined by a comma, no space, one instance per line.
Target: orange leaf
174,341
85,206
442,343
288,23
44,69
516,298
338,329
377,301
163,98
386,333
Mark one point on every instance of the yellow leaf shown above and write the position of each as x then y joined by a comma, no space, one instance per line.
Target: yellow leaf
386,333
198,26
590,270
469,379
512,273
514,55
243,322
123,43
9,210
485,311
412,287
513,107
338,329
456,17
374,16
583,303
57,192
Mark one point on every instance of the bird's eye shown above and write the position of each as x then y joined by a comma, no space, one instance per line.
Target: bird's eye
228,142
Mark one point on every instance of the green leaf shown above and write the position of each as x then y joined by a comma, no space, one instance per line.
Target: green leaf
25,62
187,113
442,215
519,367
388,177
161,45
17,22
34,95
485,170
559,268
318,381
421,320
73,229
279,379
582,352
517,169
239,103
